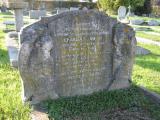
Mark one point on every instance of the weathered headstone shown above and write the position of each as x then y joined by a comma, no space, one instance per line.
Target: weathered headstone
75,53
122,13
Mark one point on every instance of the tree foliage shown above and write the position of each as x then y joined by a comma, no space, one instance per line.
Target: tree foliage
113,5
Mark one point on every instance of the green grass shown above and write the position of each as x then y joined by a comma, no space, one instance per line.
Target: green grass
146,70
139,17
143,33
11,107
144,18
149,36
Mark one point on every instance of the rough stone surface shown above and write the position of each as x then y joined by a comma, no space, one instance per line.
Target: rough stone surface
153,23
136,22
75,53
36,115
141,51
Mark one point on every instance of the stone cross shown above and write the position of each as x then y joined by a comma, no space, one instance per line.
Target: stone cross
129,11
18,6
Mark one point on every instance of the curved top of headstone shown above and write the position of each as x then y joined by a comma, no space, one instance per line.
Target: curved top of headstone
67,18
74,53
122,12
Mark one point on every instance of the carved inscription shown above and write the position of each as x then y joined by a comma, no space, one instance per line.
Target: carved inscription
82,59
75,53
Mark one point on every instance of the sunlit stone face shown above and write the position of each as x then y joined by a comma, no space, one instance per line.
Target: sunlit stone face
75,53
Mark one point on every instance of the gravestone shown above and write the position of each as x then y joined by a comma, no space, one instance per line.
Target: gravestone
75,53
122,13
153,23
18,6
137,22
36,14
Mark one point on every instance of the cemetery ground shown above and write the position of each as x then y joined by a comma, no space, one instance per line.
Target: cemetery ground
148,32
145,31
121,104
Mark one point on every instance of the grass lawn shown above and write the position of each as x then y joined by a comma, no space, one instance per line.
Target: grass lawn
147,35
146,70
153,32
11,107
128,103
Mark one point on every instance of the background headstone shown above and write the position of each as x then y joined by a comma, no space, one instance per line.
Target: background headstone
75,53
153,23
18,6
142,51
36,14
122,12
136,22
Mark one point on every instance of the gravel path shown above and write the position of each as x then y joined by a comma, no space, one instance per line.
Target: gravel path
147,41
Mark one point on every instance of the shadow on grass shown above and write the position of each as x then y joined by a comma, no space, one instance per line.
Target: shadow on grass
4,58
143,62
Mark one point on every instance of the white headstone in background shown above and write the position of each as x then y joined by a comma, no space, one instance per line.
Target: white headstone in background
122,12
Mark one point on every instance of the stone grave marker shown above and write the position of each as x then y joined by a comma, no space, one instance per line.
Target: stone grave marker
122,13
18,6
75,53
36,14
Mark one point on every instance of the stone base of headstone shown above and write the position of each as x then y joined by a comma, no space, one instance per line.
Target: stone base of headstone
36,14
39,113
12,46
142,51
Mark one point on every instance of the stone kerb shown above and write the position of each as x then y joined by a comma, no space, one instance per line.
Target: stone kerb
75,53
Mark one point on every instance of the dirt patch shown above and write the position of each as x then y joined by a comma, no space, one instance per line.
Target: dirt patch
134,113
